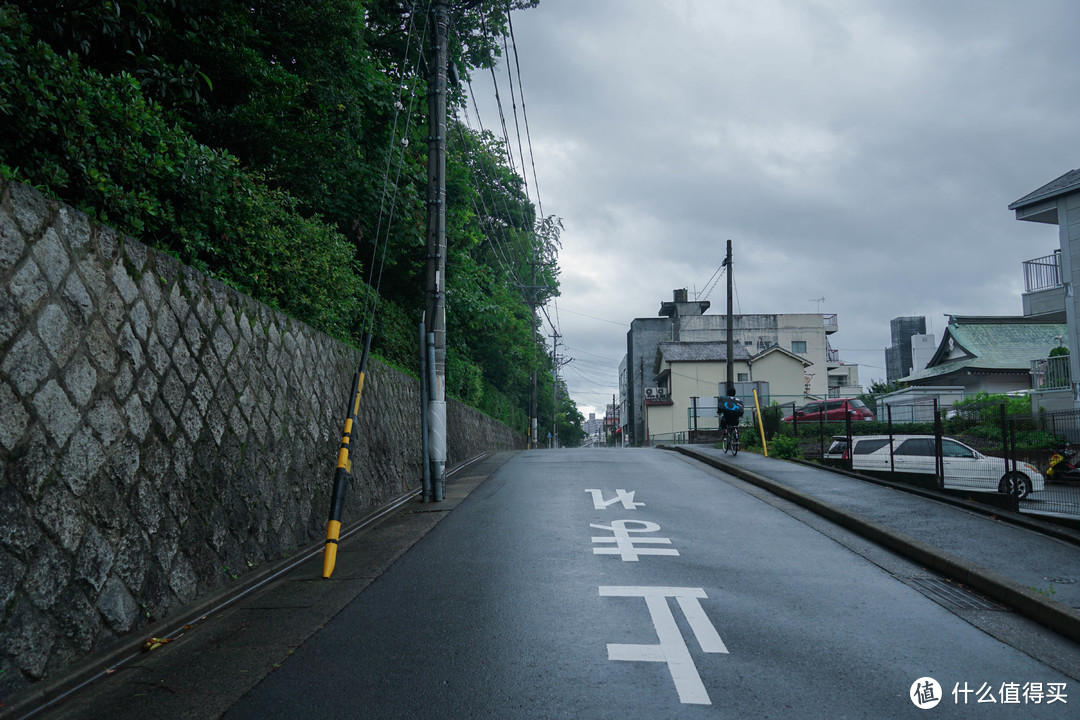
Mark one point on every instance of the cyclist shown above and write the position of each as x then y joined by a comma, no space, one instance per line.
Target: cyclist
730,411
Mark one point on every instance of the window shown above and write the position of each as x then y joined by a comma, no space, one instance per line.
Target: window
950,448
742,377
865,447
798,346
922,447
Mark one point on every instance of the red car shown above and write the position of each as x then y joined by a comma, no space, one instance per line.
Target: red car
835,411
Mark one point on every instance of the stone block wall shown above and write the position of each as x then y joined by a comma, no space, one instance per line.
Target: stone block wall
161,435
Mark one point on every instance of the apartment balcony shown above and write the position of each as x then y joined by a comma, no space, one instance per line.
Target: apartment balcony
831,324
1050,374
1042,273
1051,384
1044,292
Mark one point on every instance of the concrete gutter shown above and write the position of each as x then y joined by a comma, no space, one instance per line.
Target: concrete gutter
1050,613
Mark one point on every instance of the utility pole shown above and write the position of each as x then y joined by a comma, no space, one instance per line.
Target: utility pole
614,421
730,328
554,387
434,305
532,323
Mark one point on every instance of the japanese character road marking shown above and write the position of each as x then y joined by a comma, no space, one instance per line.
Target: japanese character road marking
626,498
627,546
672,648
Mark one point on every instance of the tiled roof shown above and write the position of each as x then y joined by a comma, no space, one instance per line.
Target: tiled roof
1007,345
1066,183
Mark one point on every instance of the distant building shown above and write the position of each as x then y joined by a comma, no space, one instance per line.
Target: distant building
923,348
803,335
690,375
899,360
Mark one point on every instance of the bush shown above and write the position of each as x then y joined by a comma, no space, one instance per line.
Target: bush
97,143
785,448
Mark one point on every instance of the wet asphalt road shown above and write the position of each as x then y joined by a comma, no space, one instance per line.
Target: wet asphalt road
706,601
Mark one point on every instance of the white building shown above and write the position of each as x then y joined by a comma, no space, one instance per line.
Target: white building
804,335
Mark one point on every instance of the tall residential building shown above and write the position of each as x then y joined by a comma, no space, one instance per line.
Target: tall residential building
898,359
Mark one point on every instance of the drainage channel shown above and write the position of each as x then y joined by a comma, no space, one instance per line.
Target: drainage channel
953,596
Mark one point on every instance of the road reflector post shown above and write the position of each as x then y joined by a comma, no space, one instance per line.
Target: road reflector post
760,424
344,466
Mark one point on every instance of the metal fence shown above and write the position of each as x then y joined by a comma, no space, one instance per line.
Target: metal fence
974,448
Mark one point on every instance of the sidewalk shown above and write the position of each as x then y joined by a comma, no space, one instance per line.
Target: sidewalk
997,553
225,645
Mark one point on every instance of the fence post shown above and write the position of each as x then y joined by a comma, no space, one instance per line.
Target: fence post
1004,438
892,459
851,455
1012,443
821,425
939,461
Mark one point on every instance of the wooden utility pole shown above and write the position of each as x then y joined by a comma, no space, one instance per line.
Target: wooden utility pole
435,306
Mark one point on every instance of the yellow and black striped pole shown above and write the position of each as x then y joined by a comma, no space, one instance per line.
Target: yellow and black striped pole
344,467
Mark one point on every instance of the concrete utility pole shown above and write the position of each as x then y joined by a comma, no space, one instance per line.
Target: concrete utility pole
554,387
730,328
532,323
435,307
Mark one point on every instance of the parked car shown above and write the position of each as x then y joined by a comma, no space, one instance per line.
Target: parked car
964,466
838,450
835,411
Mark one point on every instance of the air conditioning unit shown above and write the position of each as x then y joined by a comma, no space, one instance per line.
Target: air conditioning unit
650,393
661,393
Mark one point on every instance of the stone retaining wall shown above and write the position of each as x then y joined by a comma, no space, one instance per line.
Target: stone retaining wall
161,435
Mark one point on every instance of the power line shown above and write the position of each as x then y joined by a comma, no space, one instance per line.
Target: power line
593,317
524,114
398,107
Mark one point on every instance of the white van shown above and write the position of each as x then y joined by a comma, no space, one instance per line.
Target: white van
965,467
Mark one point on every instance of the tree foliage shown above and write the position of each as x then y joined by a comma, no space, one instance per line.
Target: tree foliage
256,140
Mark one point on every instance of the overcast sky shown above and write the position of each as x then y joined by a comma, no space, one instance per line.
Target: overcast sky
861,151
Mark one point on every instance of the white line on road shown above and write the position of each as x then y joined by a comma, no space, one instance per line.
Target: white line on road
672,648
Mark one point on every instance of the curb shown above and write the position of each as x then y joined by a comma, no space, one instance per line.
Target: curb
1052,614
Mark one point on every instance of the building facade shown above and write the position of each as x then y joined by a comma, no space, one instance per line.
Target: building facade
804,335
1050,281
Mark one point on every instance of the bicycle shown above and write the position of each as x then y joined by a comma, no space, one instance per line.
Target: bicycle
731,441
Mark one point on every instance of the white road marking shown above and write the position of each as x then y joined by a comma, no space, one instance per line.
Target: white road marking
625,545
626,498
672,648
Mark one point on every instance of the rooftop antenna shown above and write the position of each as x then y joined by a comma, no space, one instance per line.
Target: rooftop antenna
818,301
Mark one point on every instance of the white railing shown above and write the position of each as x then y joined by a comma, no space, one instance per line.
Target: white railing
1050,373
1043,273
